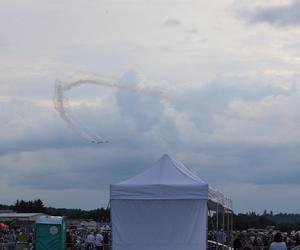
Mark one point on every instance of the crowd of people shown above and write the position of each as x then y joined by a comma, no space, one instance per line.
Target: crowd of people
101,239
11,237
92,240
254,240
270,240
75,239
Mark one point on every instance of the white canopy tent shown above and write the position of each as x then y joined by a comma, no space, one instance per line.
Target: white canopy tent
163,208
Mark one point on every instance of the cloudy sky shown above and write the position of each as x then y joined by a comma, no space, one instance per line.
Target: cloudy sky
218,88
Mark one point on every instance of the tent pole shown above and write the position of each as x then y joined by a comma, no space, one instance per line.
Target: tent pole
217,228
223,231
228,227
208,215
232,228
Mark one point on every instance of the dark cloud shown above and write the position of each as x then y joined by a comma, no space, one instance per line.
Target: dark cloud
203,103
77,168
172,23
91,169
261,164
283,15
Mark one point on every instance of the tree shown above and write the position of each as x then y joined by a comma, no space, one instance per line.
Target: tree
34,206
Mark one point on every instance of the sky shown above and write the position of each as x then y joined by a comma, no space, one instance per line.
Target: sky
213,83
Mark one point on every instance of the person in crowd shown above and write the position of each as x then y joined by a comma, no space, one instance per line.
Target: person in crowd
287,241
78,240
278,244
12,240
21,236
248,243
106,241
30,238
1,237
210,235
269,238
90,241
237,243
99,241
69,240
221,236
258,243
297,239
265,240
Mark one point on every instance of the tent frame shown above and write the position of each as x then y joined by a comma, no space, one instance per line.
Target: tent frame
225,212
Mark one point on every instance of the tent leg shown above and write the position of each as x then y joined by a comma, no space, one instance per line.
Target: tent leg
232,228
217,227
223,231
228,229
208,215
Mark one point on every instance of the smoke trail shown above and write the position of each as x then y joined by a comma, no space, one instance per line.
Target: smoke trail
60,103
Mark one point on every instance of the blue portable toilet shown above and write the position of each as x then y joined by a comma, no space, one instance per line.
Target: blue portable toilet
50,233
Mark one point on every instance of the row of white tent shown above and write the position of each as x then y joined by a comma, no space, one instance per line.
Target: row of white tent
163,208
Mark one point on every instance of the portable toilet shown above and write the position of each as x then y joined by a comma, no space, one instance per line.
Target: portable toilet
50,233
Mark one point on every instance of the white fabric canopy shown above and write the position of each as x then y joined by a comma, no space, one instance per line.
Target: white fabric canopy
168,178
163,208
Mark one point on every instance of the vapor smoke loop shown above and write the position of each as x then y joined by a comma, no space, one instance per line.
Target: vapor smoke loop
60,103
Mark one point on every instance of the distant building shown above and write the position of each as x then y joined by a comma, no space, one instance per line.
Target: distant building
23,220
7,217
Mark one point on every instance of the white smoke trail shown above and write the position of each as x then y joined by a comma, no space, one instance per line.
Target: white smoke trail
60,103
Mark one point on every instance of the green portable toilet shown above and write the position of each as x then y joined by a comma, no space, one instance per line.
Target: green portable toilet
50,233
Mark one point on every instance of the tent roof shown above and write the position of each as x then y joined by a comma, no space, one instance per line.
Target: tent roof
168,178
166,171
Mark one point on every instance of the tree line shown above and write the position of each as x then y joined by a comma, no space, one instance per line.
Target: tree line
37,206
242,221
282,217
